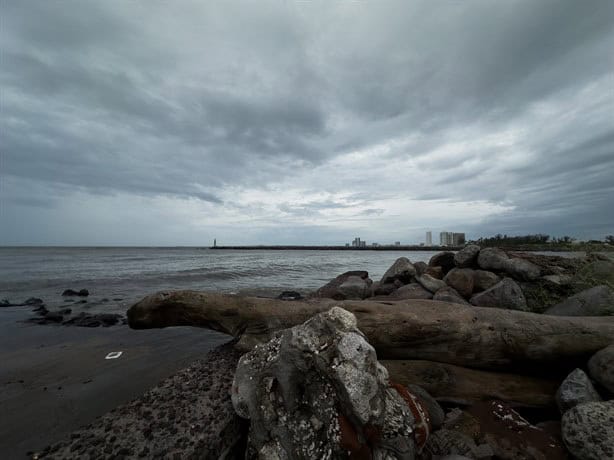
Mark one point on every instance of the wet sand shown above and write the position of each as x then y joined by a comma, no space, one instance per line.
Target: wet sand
55,379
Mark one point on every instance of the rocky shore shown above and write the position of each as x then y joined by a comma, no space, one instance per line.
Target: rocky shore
479,354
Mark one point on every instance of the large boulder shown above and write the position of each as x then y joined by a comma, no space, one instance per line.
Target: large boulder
462,280
493,259
429,283
588,430
435,272
352,285
386,288
444,259
411,291
483,280
596,301
402,270
522,269
594,273
355,287
601,367
420,267
316,390
449,294
467,257
505,294
576,389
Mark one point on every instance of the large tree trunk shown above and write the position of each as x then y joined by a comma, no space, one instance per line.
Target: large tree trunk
486,338
460,385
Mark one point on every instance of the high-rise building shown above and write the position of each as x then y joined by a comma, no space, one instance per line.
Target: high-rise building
358,243
429,238
445,238
458,239
451,239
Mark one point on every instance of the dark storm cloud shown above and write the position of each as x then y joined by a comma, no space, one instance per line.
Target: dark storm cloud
214,102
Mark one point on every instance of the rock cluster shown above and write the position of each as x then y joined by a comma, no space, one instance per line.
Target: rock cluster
66,316
587,425
471,382
490,277
316,390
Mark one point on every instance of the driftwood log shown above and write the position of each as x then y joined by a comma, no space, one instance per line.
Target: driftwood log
460,385
483,338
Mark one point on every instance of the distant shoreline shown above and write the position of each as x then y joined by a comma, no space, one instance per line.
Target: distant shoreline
341,248
519,248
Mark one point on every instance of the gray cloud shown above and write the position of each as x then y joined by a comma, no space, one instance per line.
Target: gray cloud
306,115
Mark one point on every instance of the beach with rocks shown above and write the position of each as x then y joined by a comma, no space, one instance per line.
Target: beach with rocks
481,353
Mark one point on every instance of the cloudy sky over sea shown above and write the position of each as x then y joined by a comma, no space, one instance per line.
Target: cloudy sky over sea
173,123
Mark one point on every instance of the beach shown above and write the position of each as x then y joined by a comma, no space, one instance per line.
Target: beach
55,378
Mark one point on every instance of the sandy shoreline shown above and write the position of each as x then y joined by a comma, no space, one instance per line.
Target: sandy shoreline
55,379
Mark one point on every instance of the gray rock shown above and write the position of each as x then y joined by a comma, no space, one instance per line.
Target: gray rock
505,294
435,272
462,280
467,257
355,288
575,389
492,259
449,294
311,388
385,289
332,290
402,270
588,430
559,280
444,259
521,269
411,291
452,443
595,273
420,267
596,301
601,367
432,406
483,280
430,283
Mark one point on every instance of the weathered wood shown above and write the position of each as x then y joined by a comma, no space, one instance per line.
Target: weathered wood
486,338
460,385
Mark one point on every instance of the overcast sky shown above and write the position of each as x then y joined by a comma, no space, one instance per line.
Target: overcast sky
257,122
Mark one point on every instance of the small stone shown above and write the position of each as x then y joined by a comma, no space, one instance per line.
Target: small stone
575,389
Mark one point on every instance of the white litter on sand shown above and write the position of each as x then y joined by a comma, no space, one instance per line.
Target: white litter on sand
114,355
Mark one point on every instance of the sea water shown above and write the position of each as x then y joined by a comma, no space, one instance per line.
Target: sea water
117,277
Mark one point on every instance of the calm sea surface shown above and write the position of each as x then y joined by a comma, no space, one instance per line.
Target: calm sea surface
117,277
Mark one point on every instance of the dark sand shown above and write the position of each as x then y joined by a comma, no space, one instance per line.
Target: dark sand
54,379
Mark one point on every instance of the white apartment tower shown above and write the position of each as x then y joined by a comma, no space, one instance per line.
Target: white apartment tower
429,239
